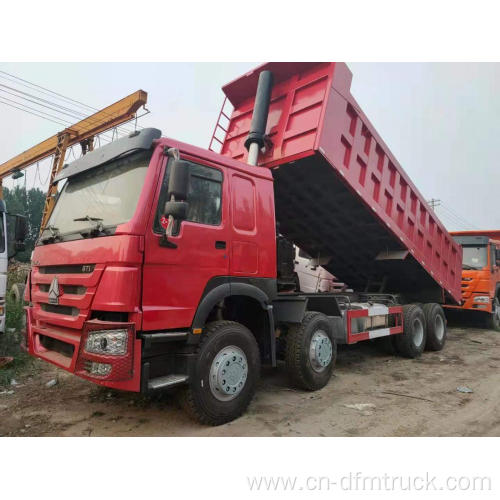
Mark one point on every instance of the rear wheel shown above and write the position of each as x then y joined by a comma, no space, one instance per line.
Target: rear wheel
435,322
311,352
411,342
493,319
225,374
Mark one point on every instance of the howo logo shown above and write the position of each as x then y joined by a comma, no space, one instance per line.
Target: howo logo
54,292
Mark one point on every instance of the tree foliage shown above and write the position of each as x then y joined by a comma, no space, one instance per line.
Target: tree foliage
30,204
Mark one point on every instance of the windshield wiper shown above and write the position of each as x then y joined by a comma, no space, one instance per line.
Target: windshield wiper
469,267
97,230
87,217
54,234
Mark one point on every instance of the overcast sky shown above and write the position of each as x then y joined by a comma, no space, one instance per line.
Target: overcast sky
440,120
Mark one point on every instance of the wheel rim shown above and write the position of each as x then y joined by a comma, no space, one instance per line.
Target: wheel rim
320,351
439,327
228,373
418,332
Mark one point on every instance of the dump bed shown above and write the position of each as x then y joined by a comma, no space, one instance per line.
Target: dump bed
340,193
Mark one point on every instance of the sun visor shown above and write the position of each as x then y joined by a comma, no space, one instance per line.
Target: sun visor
136,141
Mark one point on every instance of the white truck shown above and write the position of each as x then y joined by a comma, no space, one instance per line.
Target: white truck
12,235
311,277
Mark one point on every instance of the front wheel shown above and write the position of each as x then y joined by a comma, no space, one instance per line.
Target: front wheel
225,374
493,319
311,352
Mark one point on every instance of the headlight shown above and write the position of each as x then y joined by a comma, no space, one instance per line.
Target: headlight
483,299
108,342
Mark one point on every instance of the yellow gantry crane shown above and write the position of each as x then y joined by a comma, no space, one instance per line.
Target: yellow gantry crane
82,133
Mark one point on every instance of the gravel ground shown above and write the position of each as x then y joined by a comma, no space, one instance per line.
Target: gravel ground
372,394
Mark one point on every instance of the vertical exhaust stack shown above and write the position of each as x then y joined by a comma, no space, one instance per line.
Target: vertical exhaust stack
255,139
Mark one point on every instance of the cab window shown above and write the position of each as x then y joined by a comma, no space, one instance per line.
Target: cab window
204,196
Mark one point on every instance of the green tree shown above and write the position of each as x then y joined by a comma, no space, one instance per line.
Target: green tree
30,204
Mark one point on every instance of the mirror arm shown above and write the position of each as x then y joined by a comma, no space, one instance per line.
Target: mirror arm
164,241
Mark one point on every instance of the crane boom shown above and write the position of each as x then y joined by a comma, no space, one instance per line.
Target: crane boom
83,133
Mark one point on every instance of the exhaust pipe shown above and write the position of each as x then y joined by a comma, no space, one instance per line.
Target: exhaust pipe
255,139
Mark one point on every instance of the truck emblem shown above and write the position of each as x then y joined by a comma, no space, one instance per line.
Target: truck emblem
54,292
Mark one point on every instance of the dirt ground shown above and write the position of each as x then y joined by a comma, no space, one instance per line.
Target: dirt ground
400,397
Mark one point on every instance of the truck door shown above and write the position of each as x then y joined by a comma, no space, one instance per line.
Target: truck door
495,268
174,278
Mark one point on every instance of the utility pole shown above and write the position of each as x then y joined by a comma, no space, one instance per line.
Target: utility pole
433,202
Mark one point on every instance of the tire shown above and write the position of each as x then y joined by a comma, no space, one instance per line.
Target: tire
493,319
435,322
203,398
303,366
411,342
17,292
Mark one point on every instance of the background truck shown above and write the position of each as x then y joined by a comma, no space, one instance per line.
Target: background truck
311,277
12,236
164,265
480,275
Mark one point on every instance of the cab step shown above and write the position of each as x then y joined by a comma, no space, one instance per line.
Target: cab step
166,382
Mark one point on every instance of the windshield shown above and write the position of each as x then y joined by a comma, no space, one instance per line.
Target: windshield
100,198
475,257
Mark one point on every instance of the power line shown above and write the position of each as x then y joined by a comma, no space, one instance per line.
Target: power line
34,114
38,113
38,104
64,108
48,107
46,91
450,214
458,216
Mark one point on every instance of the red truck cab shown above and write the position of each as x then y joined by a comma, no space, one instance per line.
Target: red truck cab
480,275
100,263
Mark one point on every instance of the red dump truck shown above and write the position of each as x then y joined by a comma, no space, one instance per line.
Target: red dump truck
164,265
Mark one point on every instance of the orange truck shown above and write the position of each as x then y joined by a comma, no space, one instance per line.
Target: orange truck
480,275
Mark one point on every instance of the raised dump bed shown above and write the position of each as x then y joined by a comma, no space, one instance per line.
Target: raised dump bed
340,193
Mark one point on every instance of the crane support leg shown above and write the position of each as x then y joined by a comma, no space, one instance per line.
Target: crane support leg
57,164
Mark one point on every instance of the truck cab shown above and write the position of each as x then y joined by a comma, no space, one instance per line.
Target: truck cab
480,275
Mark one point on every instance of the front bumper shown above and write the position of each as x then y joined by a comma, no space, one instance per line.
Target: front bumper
63,347
468,304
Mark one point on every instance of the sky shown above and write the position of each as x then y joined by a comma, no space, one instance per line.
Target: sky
440,120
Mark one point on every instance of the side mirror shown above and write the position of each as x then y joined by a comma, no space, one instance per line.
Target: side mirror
17,231
21,228
176,209
178,183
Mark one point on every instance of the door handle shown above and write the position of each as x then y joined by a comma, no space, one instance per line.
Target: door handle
220,245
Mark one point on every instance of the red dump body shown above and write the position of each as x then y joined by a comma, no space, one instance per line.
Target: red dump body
339,190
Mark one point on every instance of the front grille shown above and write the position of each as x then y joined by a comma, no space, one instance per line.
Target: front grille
74,269
66,310
77,285
68,289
